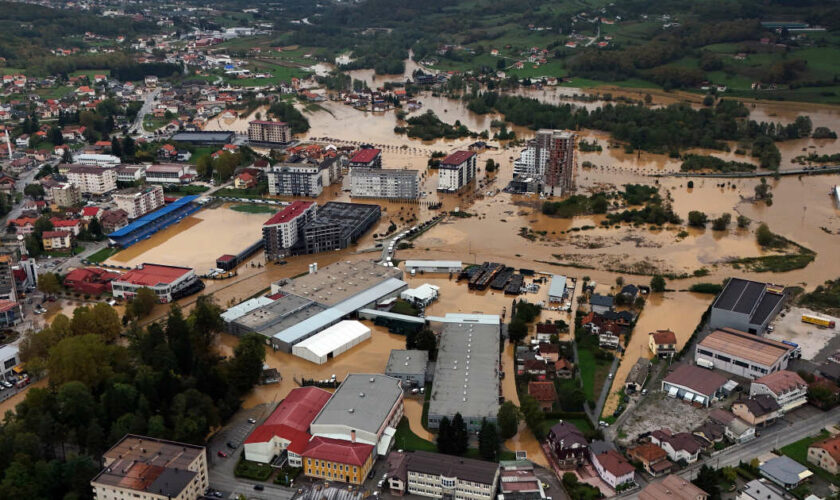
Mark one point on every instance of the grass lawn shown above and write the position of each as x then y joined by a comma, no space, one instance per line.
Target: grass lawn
201,151
551,68
254,209
633,83
238,193
186,190
404,439
799,452
54,92
150,123
103,254
593,373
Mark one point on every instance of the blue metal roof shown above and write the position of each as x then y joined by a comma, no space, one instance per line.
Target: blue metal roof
148,218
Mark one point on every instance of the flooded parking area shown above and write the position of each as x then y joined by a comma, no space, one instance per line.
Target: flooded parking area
197,241
812,339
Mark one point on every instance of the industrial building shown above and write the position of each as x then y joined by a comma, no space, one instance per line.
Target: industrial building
456,171
557,288
384,183
287,428
153,469
421,296
746,305
466,379
366,158
693,384
9,359
168,282
263,132
154,222
301,176
201,138
137,202
282,231
366,408
331,342
169,173
306,305
433,266
408,365
337,225
742,353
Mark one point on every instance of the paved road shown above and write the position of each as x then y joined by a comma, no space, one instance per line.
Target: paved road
148,102
827,169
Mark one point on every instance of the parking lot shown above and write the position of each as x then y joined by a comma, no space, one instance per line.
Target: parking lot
816,342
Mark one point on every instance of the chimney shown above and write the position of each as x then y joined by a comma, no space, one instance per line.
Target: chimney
353,436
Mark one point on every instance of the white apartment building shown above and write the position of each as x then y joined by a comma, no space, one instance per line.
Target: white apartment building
436,475
282,231
139,202
384,183
92,180
302,177
456,171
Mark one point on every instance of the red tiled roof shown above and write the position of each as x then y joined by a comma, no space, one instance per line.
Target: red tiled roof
7,305
56,222
365,155
154,274
614,463
226,258
90,211
338,451
542,391
89,274
288,213
648,452
664,337
457,158
291,419
54,234
831,446
781,381
21,221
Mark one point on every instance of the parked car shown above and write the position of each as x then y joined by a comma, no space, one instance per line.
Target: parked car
258,487
252,420
222,454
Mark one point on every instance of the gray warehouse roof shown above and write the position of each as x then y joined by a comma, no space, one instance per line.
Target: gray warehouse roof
362,401
785,470
557,286
749,297
407,361
352,304
466,373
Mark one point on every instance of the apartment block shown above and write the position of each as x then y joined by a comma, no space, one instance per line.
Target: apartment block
92,180
137,202
282,231
66,195
302,176
269,132
456,171
384,183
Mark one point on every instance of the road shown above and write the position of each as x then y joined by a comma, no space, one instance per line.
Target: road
148,102
27,178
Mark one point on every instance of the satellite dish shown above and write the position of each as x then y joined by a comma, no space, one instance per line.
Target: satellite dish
20,237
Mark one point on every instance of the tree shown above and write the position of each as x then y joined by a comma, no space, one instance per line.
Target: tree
49,283
116,147
459,435
106,321
66,156
94,229
85,358
707,480
533,414
697,218
722,222
508,420
764,236
178,338
517,330
657,283
425,340
490,165
444,437
743,221
247,363
762,192
128,148
488,441
34,190
142,303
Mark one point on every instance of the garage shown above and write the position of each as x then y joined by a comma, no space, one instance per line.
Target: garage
331,342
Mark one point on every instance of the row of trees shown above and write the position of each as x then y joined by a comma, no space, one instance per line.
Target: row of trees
167,382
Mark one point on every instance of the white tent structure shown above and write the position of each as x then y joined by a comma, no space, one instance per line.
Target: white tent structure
331,342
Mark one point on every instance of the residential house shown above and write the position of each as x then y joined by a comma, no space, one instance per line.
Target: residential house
613,468
567,444
760,410
549,352
735,429
73,226
90,280
761,489
629,292
544,393
826,454
112,220
244,181
785,386
673,487
652,457
545,331
680,446
638,375
601,303
563,368
539,368
663,343
785,471
57,241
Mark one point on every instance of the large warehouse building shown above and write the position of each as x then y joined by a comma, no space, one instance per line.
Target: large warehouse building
433,266
331,342
743,353
307,305
467,370
366,408
746,305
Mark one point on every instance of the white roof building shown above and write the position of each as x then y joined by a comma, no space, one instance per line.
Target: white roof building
331,342
244,308
422,295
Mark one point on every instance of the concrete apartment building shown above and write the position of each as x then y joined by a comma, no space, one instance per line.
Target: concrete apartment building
384,183
269,132
8,288
57,241
467,370
283,230
152,469
299,176
137,202
746,305
66,195
436,475
92,180
337,225
456,171
366,158
742,353
550,156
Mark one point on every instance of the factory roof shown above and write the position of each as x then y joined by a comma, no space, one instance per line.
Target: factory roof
557,286
745,346
475,319
749,297
433,263
330,339
339,281
466,371
153,274
279,314
244,308
362,401
465,469
407,361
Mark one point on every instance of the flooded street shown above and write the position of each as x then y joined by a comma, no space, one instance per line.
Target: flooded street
12,402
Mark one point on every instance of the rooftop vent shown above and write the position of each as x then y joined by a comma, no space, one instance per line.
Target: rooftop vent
361,394
350,410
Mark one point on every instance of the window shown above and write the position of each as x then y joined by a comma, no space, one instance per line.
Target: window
723,358
741,364
705,352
